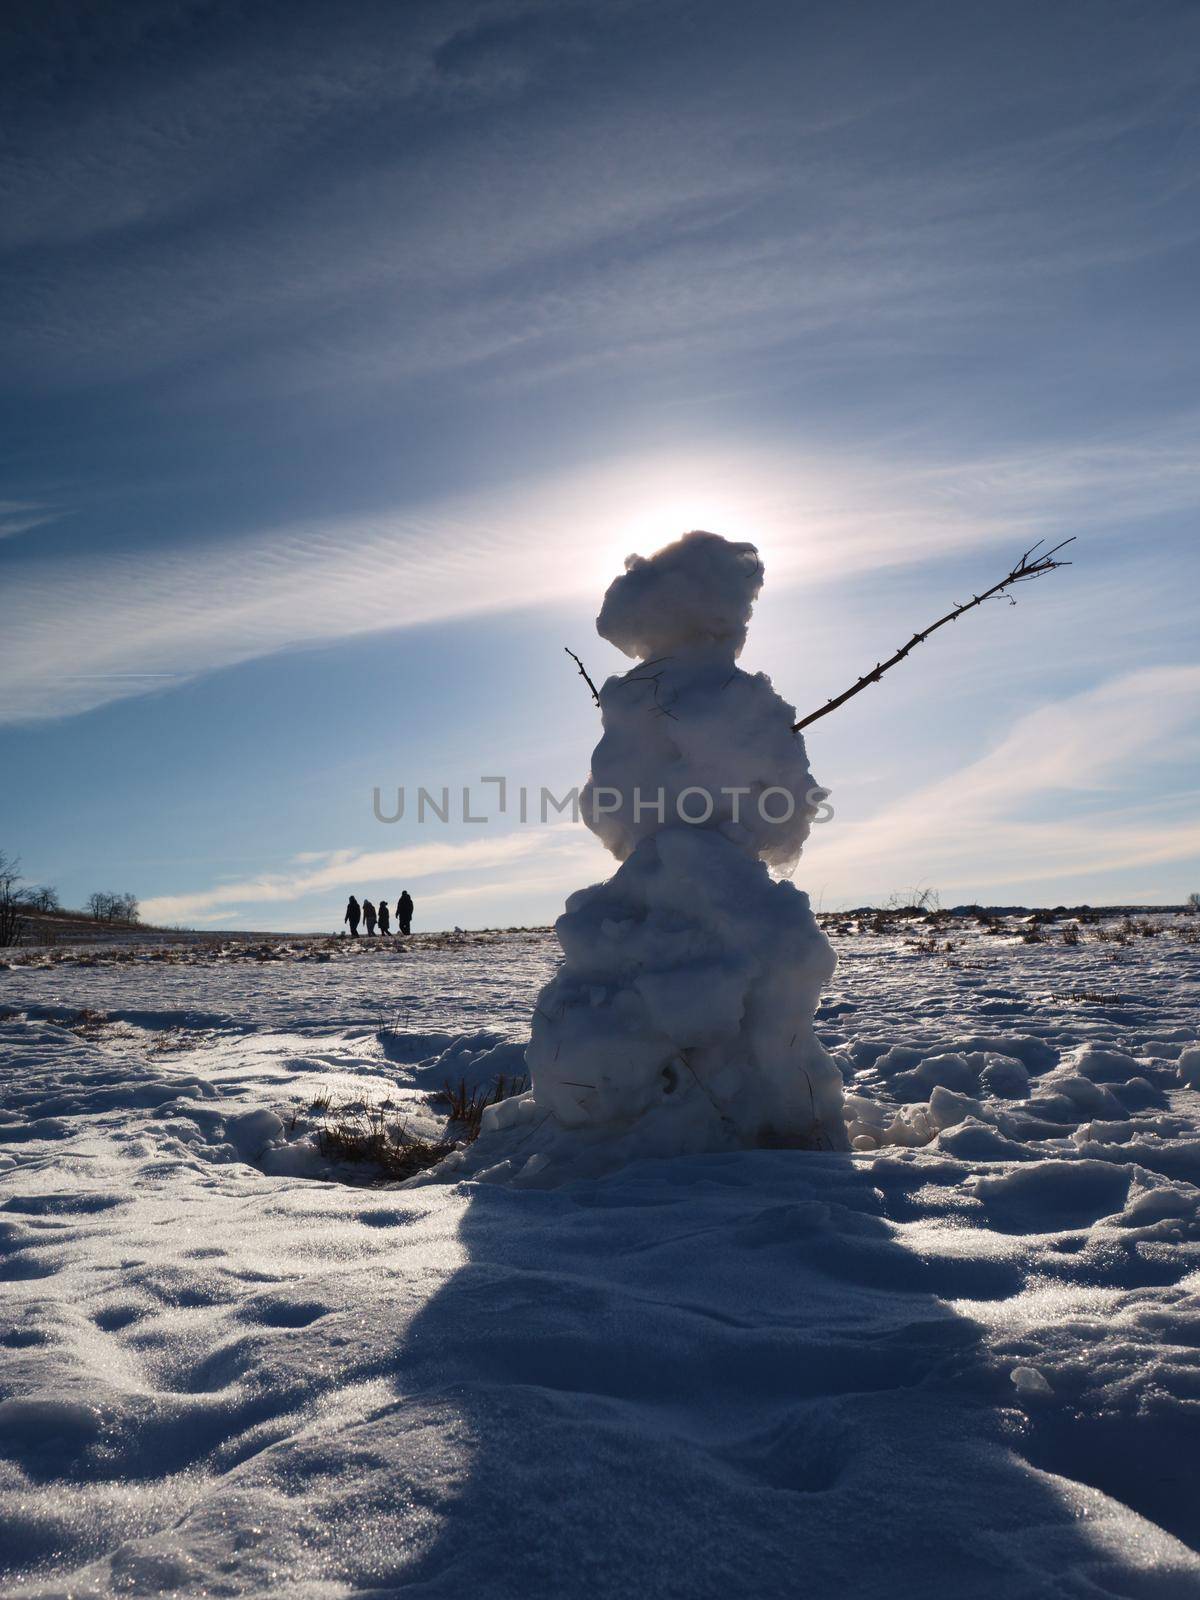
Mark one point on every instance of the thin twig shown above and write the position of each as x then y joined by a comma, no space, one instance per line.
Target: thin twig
584,675
657,709
1023,572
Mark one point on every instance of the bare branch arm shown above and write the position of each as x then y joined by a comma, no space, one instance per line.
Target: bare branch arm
1024,570
583,675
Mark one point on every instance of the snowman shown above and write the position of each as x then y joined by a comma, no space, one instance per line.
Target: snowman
681,1017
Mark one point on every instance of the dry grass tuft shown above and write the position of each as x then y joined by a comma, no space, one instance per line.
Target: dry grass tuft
88,1024
379,1135
1091,997
374,1136
465,1107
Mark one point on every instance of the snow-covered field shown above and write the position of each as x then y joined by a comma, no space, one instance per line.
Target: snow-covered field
962,1361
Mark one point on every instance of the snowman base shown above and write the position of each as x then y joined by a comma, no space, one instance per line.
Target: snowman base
679,1022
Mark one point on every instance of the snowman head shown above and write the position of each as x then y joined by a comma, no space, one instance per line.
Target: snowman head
698,591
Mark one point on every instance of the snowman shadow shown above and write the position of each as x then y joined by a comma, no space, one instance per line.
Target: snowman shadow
718,1375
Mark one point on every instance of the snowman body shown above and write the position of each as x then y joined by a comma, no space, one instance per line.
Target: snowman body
681,1018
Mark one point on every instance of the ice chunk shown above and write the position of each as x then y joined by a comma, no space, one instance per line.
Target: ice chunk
1004,1077
35,1418
1030,1383
1105,1066
250,1133
946,1108
948,1071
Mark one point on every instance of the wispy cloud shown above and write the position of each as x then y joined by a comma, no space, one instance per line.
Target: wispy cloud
83,631
224,105
252,198
18,517
1079,787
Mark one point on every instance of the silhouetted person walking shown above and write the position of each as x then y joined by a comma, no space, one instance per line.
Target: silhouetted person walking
404,912
385,917
353,913
369,916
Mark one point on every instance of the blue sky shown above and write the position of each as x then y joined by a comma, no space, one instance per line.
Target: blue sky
347,351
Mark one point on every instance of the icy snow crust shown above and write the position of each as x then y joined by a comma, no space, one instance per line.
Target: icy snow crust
681,1019
967,1367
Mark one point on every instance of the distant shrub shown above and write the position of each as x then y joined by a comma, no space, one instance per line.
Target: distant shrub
11,900
108,907
912,902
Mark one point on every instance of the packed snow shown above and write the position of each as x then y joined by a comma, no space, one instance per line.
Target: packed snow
681,1019
961,1358
689,738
